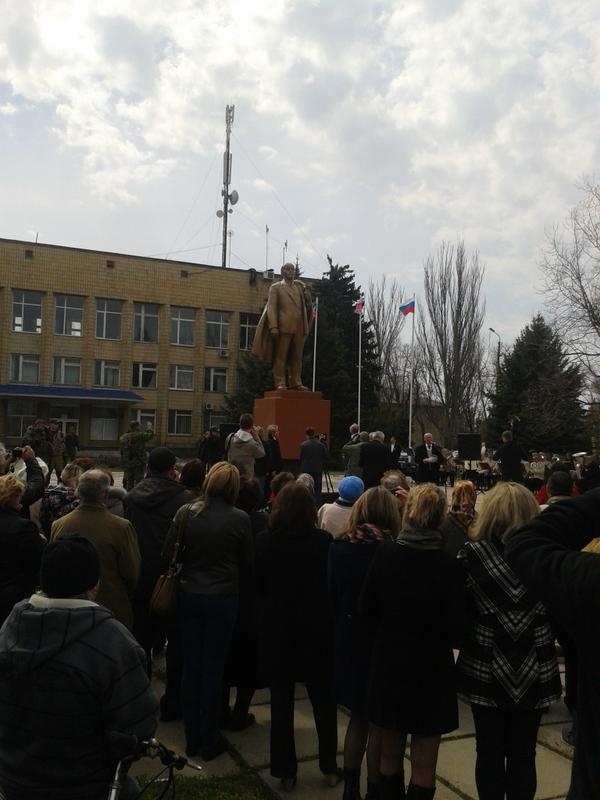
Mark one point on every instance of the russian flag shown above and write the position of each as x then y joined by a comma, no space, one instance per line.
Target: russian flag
408,308
359,305
314,311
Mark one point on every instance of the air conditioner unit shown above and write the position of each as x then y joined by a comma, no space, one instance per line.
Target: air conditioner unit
269,274
208,406
224,353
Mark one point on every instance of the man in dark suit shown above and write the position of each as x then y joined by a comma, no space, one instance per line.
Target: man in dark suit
312,459
375,458
428,458
510,455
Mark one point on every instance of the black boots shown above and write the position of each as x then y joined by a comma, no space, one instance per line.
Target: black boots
392,787
351,784
415,792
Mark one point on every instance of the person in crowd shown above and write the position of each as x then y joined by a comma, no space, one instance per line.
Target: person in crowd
545,554
37,436
210,449
429,459
559,487
21,546
217,558
296,629
510,456
60,499
72,681
313,455
353,433
277,484
461,517
250,501
33,480
71,444
557,466
447,468
394,480
192,476
333,517
260,464
244,446
85,462
274,459
351,455
114,539
375,459
150,507
590,474
116,495
306,480
375,517
507,665
134,454
412,685
536,476
57,445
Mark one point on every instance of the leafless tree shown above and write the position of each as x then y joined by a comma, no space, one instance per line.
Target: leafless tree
383,301
450,346
571,270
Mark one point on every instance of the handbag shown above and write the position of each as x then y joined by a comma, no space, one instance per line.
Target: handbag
163,601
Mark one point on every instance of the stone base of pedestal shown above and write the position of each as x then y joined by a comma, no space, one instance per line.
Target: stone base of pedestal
293,412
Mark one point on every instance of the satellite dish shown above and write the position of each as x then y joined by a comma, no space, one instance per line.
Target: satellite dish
220,214
234,197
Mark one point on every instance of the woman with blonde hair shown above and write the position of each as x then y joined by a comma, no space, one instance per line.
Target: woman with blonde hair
507,666
374,518
217,555
460,518
414,601
21,547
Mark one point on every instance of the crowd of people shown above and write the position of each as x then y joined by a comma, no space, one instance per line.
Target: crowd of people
366,600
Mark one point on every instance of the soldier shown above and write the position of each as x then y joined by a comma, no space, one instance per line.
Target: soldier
133,453
37,436
57,443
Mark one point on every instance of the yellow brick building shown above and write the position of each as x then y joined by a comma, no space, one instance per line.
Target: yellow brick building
95,339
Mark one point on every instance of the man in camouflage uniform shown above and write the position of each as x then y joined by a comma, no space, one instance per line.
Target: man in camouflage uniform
38,437
57,443
133,453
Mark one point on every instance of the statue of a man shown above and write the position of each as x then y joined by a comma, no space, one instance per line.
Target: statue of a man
283,327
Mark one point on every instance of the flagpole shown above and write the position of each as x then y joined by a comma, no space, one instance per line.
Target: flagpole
360,313
266,247
315,348
412,370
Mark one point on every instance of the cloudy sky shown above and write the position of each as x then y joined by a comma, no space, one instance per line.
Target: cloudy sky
370,130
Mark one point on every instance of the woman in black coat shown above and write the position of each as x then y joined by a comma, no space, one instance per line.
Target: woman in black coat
414,599
21,546
296,628
375,518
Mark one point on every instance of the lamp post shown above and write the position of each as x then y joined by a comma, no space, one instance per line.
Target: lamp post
498,354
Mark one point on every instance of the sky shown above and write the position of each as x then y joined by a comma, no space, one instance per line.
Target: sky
370,131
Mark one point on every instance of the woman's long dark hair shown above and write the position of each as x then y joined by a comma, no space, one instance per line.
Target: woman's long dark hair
294,509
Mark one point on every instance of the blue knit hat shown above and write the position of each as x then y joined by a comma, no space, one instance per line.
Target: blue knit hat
350,489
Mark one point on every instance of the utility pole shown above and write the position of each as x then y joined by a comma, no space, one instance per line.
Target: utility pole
227,197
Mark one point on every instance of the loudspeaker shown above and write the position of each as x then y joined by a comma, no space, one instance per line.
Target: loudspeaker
469,446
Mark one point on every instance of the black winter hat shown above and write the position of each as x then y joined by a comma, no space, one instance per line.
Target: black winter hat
160,460
70,566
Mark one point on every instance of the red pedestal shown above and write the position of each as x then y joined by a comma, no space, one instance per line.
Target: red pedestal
293,412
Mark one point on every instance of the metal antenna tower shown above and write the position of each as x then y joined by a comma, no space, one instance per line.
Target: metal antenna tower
227,197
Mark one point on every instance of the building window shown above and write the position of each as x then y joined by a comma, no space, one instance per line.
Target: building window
144,375
143,416
27,311
108,318
67,371
20,414
68,315
106,373
248,323
181,377
29,255
217,329
180,423
24,368
145,322
66,416
215,379
104,425
182,326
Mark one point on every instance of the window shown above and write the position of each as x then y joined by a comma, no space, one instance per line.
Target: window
20,414
181,377
27,311
106,373
182,326
68,315
143,415
66,416
217,329
144,376
108,318
215,379
180,423
29,255
145,322
104,425
67,371
24,368
248,323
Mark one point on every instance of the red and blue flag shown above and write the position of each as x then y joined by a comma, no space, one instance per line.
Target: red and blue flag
408,308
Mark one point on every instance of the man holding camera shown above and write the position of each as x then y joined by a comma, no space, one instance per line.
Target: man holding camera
34,477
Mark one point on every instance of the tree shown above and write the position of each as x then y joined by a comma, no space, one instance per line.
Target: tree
571,269
254,378
449,339
539,392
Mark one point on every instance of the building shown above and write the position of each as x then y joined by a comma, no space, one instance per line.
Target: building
97,339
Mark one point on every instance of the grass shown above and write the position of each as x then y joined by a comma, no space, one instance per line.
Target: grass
231,787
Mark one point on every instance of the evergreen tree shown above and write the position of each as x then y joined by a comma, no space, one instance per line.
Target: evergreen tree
540,391
254,378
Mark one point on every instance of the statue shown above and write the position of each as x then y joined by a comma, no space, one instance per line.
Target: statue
283,327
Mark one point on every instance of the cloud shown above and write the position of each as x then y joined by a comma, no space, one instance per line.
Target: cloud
8,109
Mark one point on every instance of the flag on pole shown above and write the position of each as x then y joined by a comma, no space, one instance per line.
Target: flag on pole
408,308
315,310
359,305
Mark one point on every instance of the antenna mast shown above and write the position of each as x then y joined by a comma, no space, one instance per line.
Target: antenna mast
227,197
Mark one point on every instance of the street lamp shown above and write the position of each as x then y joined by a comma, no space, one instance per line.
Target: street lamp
498,355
